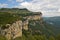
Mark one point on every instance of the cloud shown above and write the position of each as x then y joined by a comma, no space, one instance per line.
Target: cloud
42,5
19,0
51,14
47,7
3,5
59,10
19,6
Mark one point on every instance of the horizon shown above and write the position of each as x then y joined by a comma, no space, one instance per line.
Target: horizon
43,14
49,8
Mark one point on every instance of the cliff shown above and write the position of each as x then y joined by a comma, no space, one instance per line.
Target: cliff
11,31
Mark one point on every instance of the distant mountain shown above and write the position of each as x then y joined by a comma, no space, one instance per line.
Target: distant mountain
53,20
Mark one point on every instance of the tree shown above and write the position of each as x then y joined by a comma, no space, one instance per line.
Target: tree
51,38
2,37
58,37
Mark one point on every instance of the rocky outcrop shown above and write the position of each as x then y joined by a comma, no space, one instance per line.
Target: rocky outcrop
11,31
25,25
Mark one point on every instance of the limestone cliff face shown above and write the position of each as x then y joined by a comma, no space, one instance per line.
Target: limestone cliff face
34,16
14,30
25,25
11,31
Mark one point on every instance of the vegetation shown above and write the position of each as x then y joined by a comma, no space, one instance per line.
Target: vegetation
38,30
2,37
7,18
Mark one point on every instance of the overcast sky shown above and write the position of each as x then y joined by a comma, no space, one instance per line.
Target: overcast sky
49,8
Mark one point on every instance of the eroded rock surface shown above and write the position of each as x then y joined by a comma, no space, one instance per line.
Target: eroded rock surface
11,31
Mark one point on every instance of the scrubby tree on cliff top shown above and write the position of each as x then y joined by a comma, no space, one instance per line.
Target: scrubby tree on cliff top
2,37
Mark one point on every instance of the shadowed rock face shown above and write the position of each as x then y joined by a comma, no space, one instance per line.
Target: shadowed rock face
11,31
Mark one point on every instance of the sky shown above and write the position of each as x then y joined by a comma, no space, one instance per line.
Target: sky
49,8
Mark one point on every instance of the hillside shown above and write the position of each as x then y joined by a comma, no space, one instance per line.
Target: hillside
53,20
37,29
